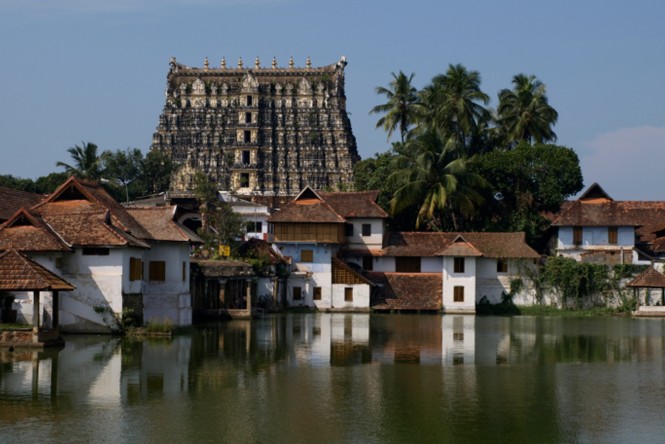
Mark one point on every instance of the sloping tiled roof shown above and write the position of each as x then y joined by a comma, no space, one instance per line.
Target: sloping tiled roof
406,291
307,210
19,273
159,223
355,204
312,206
496,245
76,192
25,232
460,247
649,278
12,200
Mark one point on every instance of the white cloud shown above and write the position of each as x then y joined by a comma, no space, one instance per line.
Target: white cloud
627,163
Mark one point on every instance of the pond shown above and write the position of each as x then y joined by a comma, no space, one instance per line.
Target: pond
347,378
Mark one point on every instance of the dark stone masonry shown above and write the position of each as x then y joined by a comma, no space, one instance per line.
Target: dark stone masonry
258,131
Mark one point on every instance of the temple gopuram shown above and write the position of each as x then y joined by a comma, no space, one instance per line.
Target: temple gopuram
258,131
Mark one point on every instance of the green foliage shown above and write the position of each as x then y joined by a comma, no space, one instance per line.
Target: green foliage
87,163
220,224
165,326
373,174
526,183
122,168
576,281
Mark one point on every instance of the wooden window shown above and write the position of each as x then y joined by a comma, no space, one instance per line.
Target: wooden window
501,266
184,271
348,294
367,229
407,264
306,255
317,293
348,230
458,294
135,269
368,263
613,235
297,293
157,271
577,235
458,265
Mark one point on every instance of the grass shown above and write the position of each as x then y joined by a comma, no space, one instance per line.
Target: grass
14,326
548,310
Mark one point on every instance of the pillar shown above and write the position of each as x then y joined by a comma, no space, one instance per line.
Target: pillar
248,296
35,316
222,293
56,311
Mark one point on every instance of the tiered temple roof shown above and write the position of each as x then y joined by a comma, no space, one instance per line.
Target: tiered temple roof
257,130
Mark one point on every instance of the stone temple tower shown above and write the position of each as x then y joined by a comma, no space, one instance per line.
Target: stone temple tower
258,131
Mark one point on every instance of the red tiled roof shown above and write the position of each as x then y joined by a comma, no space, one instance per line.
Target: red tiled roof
19,273
355,204
76,192
12,200
312,206
26,232
406,291
649,278
159,223
496,245
307,210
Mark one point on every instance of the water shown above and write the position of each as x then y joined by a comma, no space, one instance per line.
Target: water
348,378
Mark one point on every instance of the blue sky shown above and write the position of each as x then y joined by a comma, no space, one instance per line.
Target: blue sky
92,70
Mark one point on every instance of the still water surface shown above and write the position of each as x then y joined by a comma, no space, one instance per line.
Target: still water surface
348,378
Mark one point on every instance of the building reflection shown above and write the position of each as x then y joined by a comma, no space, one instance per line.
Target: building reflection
113,371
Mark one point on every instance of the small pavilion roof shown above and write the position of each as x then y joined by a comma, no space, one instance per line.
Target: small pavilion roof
649,278
20,273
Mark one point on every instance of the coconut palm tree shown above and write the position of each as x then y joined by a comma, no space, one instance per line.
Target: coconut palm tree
524,113
87,163
455,105
437,179
400,109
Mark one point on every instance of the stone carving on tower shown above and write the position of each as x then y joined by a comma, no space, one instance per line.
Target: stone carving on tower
260,131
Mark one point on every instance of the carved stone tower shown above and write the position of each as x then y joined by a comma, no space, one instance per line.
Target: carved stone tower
263,131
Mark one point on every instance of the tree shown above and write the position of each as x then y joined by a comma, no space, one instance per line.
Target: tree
527,183
524,113
437,180
220,224
157,169
87,164
372,174
122,167
400,109
455,107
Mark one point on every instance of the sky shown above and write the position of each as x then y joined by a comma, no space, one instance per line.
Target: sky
76,71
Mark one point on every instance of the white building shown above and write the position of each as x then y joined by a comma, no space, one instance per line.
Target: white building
120,267
310,230
596,228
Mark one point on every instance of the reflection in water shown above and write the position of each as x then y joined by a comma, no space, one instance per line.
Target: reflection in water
347,377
